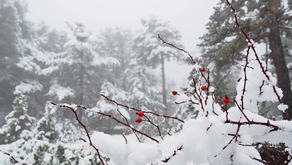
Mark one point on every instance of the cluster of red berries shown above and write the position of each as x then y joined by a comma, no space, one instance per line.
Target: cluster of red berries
140,114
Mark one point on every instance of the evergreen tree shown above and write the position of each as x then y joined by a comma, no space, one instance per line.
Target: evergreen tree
25,51
35,61
116,43
152,53
50,142
223,44
45,45
107,125
47,125
13,28
16,121
81,68
143,93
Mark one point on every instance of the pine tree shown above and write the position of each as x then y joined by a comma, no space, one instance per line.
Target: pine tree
152,53
25,50
143,93
99,122
116,43
81,67
223,44
46,44
16,121
13,28
47,125
50,142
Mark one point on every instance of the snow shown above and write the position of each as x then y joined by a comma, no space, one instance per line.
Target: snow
17,128
209,138
282,107
131,153
60,92
182,98
29,87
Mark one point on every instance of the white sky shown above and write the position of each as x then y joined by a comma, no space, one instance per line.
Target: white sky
188,16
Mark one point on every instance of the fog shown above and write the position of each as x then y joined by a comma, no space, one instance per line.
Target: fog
189,17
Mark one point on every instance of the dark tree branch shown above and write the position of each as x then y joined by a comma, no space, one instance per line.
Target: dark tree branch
177,48
285,18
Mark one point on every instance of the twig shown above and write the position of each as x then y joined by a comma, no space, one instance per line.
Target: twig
125,138
12,157
174,153
269,155
127,107
129,124
110,116
241,110
84,127
157,126
268,124
177,48
69,162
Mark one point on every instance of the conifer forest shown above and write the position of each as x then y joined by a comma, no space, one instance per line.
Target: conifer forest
78,98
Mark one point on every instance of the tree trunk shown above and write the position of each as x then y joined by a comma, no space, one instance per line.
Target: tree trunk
80,112
277,55
163,84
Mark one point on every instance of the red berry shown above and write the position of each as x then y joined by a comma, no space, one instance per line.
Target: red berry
203,88
226,100
174,92
203,70
239,79
139,120
140,113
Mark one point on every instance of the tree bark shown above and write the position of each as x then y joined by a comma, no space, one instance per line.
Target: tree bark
277,55
163,84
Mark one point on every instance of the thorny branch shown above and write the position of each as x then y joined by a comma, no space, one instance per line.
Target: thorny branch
84,127
110,116
127,124
157,126
174,153
245,78
251,45
129,127
127,107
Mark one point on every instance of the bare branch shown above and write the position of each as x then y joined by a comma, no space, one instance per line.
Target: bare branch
177,48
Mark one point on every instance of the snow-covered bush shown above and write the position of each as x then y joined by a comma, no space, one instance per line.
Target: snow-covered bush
50,142
16,121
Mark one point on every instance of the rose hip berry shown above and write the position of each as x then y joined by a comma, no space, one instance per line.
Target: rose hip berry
203,88
139,120
140,113
203,70
174,92
226,100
